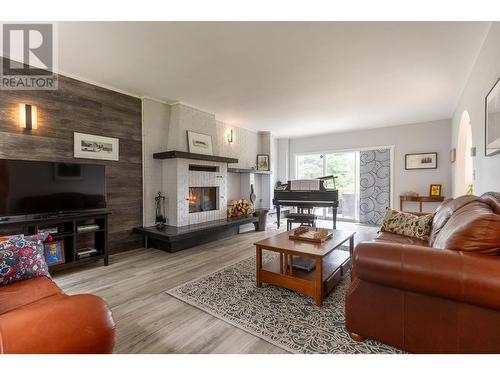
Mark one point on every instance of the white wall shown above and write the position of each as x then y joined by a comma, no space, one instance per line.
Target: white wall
245,146
483,76
283,163
265,180
239,183
155,126
183,118
274,161
431,136
234,187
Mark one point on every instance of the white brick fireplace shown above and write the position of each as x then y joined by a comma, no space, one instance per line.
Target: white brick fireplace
181,174
165,130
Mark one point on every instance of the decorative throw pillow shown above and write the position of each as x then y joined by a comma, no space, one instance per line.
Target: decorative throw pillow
44,236
20,260
8,238
407,224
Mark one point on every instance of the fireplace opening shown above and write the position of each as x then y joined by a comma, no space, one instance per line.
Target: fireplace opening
202,199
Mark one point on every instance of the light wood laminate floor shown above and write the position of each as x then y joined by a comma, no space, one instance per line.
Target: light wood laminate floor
149,320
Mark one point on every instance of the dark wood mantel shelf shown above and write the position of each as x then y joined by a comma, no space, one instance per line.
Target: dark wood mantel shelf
190,155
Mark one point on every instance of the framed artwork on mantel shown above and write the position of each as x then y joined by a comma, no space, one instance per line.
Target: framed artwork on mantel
421,161
199,143
262,162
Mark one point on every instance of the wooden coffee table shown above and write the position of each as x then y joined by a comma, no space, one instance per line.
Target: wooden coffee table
331,265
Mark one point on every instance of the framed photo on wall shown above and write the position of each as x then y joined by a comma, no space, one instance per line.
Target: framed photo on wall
492,121
199,143
54,252
262,162
88,146
421,161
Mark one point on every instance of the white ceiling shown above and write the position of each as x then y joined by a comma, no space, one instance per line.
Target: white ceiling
291,78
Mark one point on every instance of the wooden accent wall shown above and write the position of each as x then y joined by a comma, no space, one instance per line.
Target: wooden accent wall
80,107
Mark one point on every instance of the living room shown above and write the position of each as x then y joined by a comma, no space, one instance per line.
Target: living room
249,187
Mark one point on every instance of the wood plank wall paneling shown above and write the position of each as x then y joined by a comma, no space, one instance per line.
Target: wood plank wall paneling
80,107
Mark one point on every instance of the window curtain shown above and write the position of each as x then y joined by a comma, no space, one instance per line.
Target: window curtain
375,185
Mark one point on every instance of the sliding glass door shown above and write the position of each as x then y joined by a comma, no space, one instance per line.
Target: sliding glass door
344,165
363,181
310,166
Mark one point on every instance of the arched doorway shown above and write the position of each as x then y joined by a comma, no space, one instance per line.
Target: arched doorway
464,175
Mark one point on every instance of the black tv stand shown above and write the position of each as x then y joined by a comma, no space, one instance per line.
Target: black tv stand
44,216
53,215
67,224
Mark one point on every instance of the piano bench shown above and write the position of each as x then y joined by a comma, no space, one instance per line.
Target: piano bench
302,219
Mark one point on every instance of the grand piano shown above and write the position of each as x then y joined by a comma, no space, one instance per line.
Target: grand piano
307,194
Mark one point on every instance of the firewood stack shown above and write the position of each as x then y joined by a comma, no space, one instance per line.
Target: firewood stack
241,207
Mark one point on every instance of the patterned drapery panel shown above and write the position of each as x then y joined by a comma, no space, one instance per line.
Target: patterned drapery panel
375,183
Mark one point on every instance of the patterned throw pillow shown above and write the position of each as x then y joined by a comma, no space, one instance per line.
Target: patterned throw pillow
44,236
407,224
32,237
8,238
20,260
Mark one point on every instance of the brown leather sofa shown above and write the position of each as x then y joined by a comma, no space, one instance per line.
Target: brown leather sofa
436,296
36,317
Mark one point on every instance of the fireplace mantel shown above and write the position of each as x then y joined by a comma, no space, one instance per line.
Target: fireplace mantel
193,156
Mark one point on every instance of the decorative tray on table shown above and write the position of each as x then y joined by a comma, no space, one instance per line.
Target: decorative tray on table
311,234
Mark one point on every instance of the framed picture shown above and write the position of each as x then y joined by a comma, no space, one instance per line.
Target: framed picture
199,143
54,253
492,121
421,161
88,146
435,190
262,162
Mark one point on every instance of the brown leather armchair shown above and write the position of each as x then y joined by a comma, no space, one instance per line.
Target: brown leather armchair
440,296
36,317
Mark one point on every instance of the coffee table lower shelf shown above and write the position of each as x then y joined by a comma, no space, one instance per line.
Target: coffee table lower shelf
335,266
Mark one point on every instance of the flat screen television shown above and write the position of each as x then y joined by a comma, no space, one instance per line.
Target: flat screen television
37,187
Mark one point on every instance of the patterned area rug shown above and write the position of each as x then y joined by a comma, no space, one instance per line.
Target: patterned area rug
282,317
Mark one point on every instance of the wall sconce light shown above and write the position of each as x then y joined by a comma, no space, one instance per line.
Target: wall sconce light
230,136
28,116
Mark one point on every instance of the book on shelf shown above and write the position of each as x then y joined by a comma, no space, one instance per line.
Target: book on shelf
87,228
86,253
53,230
303,263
